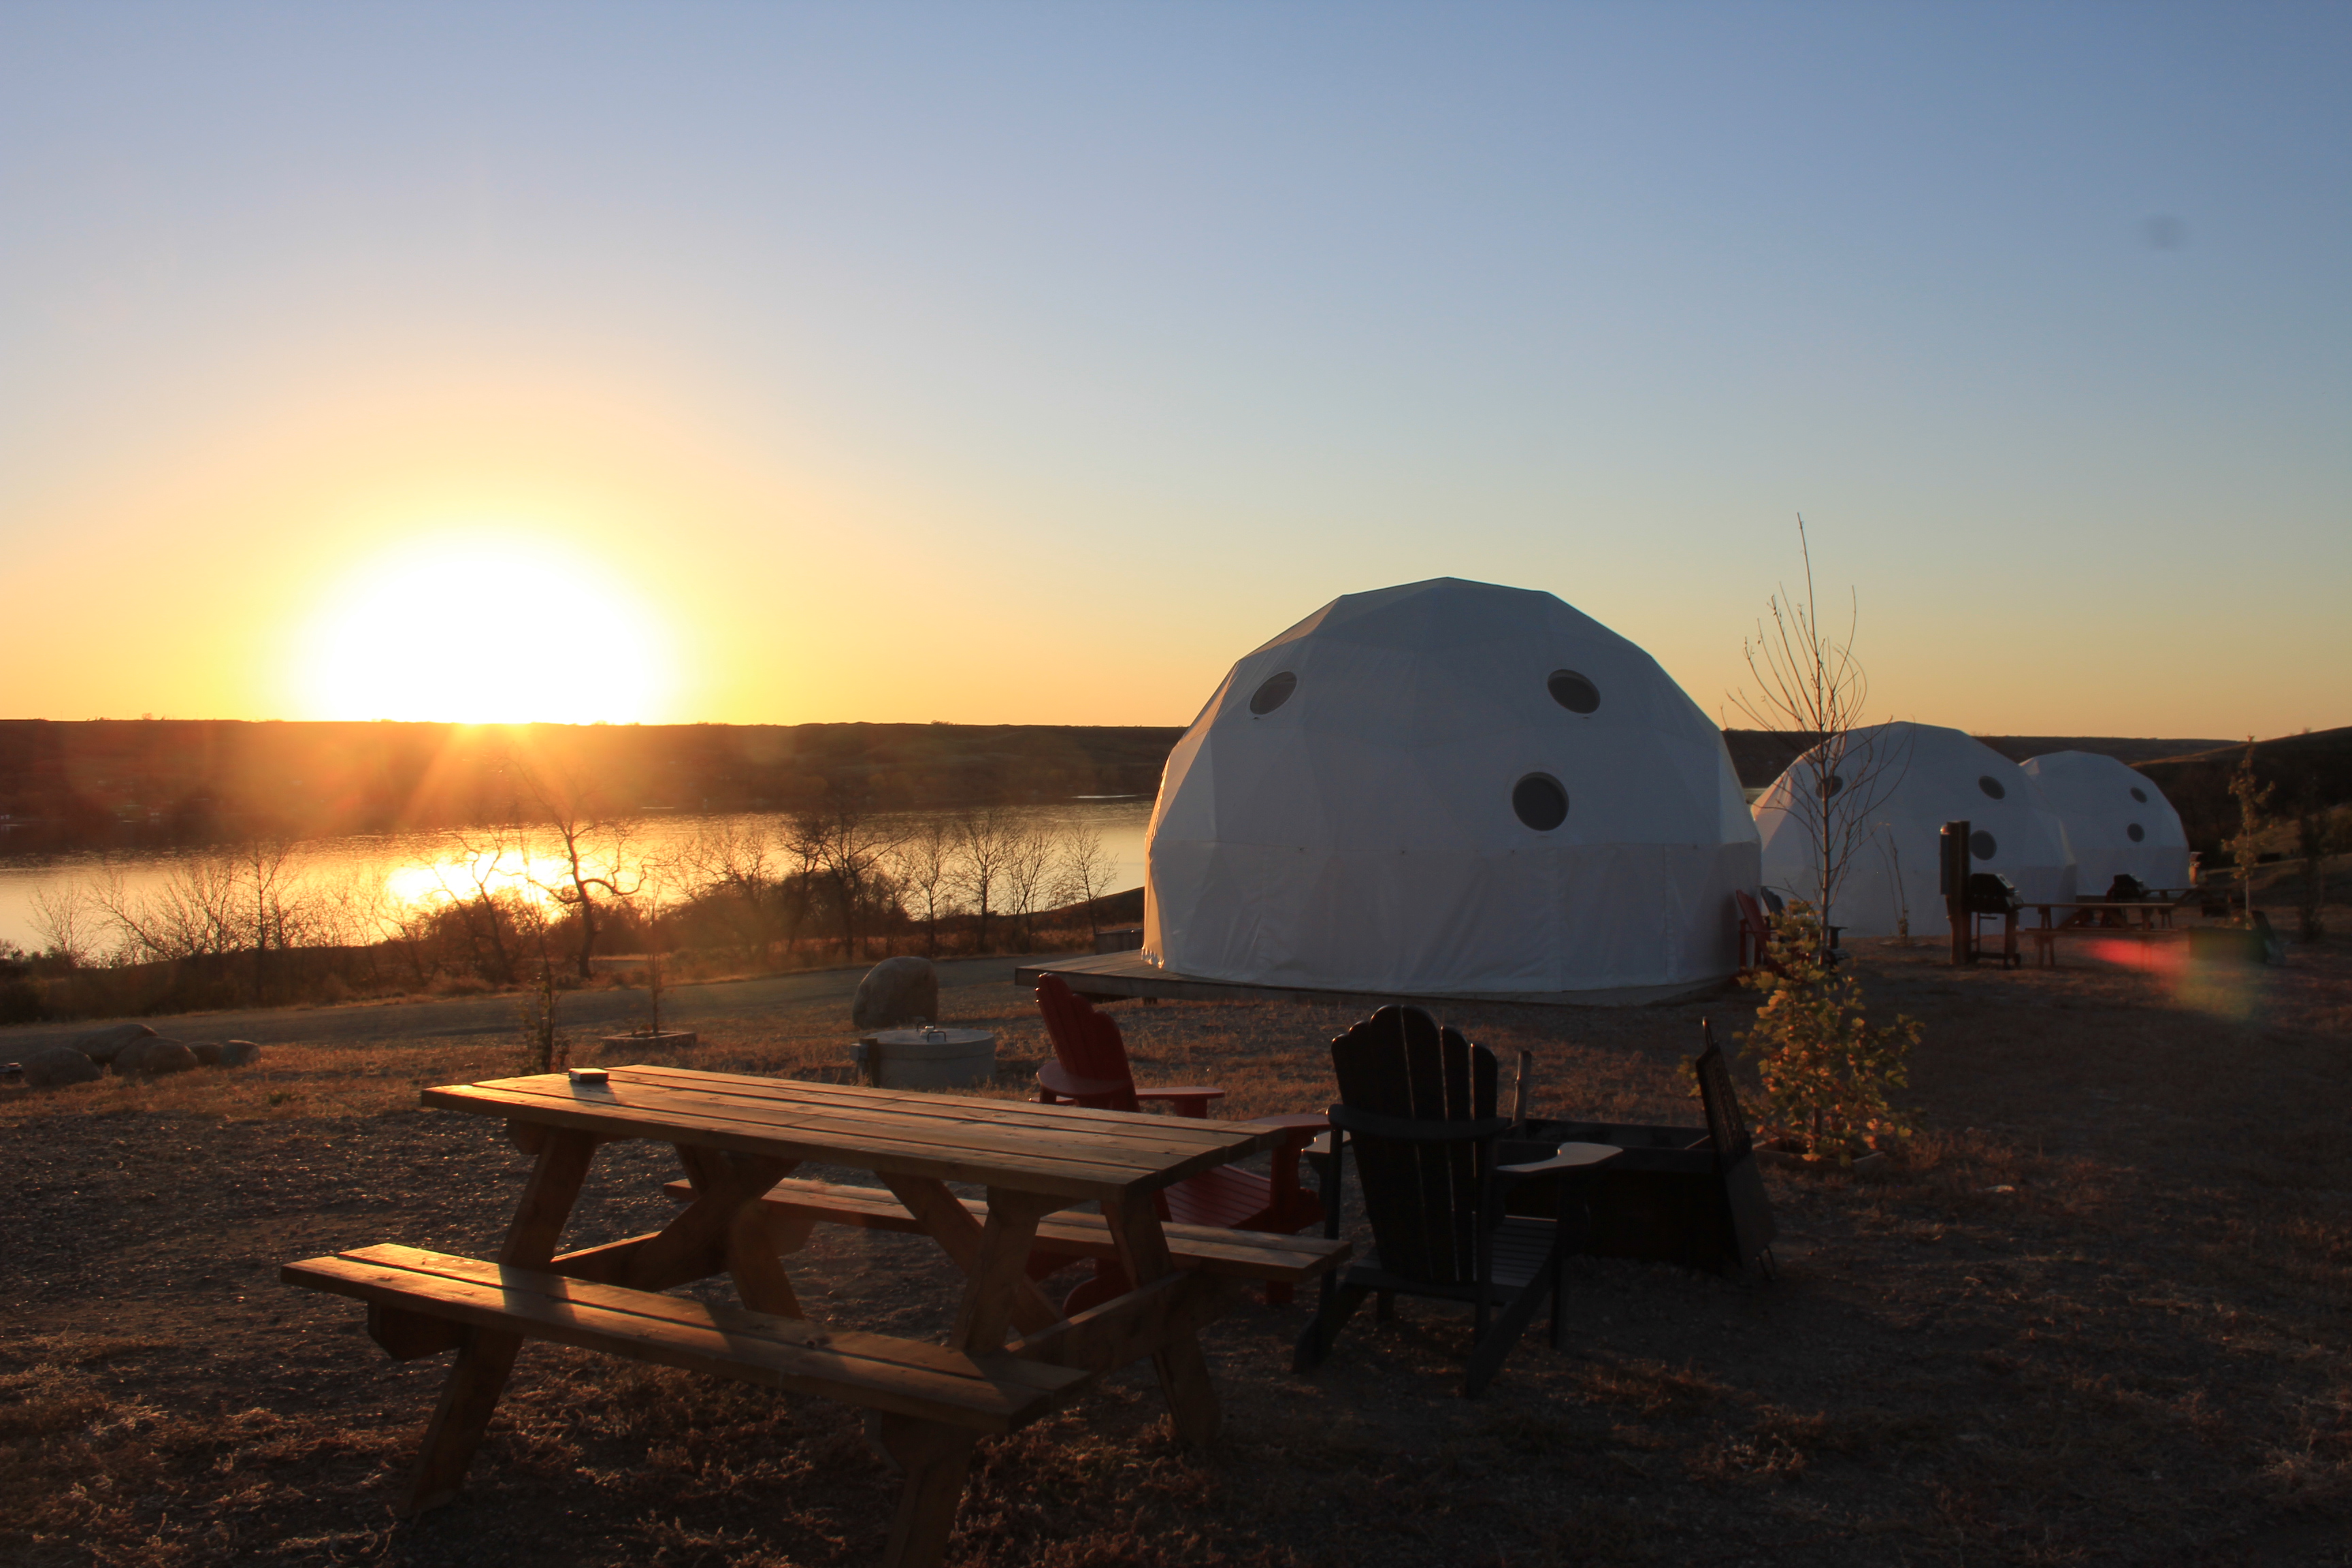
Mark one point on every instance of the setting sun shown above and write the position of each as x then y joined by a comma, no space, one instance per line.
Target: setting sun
474,628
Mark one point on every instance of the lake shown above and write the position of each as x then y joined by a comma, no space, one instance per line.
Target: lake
404,868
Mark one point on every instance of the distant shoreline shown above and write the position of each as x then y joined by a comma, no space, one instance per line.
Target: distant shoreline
68,785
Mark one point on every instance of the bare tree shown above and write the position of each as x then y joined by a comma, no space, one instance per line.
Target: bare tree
491,862
2314,830
1084,873
1810,688
590,848
1028,876
268,887
194,911
983,844
730,867
2253,798
923,864
845,844
67,924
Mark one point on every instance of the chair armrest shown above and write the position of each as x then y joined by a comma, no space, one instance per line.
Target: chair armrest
1192,1099
1055,1082
1572,1157
1314,1123
1289,1202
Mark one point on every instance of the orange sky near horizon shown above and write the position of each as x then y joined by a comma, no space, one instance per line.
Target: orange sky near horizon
533,553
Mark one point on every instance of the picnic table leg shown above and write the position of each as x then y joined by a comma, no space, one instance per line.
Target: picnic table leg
1183,1370
484,1359
963,1238
726,1221
935,1458
998,1292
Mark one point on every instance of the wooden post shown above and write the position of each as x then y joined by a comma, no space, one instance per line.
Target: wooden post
1952,881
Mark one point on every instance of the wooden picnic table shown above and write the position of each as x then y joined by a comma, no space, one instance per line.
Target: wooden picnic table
2143,919
2142,912
737,1137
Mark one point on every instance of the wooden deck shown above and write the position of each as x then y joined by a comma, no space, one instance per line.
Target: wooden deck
1101,975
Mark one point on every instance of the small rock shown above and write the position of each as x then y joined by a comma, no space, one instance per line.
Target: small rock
208,1052
102,1046
240,1052
162,1056
53,1066
894,993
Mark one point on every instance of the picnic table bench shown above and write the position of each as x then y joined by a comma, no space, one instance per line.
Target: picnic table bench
739,1139
797,1207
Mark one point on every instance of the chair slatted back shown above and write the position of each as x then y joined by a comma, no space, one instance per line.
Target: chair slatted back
1422,1198
1087,1045
1750,1211
1724,1124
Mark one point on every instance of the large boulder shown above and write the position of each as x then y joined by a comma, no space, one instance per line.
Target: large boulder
102,1046
208,1052
52,1066
162,1056
240,1052
152,1057
894,993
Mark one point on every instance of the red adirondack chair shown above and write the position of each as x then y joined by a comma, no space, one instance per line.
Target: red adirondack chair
1755,934
1089,1067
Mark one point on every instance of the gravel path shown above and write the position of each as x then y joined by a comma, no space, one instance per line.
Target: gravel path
685,1006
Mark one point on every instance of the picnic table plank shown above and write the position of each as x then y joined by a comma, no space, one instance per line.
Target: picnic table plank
1021,1111
1144,1148
1265,1256
635,1101
1075,1165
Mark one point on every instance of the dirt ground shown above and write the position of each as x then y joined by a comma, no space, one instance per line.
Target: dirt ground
2097,1313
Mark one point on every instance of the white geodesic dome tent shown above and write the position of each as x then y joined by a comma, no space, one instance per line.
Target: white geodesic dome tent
1927,776
2116,821
1448,787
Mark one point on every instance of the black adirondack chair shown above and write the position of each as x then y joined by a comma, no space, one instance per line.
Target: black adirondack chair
1691,1195
1417,1106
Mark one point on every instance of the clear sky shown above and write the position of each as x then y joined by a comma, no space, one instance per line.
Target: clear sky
1004,362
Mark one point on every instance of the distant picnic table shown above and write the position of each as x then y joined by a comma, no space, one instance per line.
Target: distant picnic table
2142,918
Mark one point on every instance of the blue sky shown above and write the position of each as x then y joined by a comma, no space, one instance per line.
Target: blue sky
1030,363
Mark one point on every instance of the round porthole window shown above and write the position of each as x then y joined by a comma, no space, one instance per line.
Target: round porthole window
1572,691
1832,785
1991,786
1273,692
2139,795
1539,801
2134,833
1982,846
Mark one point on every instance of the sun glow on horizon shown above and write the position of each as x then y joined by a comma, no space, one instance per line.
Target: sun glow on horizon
484,627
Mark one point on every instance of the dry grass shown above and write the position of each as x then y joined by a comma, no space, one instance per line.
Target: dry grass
2097,1312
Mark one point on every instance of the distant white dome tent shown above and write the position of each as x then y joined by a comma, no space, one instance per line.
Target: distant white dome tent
1448,788
2117,822
1930,775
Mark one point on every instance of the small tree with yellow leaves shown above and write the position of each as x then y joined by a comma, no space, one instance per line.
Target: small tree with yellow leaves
1827,1071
